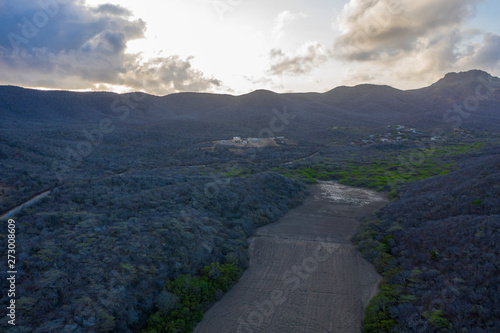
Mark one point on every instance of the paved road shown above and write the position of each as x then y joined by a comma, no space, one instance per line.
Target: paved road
28,203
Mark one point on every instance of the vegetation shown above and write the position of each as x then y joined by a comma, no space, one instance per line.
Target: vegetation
147,224
436,248
106,247
193,296
380,169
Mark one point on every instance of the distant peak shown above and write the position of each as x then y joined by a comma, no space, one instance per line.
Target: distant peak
365,87
261,92
454,77
471,72
374,86
264,91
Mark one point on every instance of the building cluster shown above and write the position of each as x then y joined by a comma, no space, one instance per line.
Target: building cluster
398,133
245,141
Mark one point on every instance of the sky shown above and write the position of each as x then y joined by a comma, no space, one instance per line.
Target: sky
238,46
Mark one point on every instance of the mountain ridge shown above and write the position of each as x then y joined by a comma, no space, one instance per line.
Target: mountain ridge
447,77
365,105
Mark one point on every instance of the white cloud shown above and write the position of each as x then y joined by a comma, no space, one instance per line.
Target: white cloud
309,56
282,20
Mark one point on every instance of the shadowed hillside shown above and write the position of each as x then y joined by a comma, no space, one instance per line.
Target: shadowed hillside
437,247
476,92
148,192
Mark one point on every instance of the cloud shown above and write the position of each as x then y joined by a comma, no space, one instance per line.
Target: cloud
259,81
414,37
373,29
166,74
355,76
311,55
265,83
485,55
112,10
72,46
282,20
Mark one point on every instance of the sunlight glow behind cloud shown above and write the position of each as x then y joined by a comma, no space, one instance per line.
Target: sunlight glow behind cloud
197,45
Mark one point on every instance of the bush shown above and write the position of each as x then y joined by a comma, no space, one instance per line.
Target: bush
449,286
188,297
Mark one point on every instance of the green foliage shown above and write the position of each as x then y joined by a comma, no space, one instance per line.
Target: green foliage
377,317
385,171
222,277
128,267
385,243
383,259
436,318
477,202
407,298
193,295
434,255
237,173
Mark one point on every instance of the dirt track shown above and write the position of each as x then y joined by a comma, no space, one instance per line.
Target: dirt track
304,275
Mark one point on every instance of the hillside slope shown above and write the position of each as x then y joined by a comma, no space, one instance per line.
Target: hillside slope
438,248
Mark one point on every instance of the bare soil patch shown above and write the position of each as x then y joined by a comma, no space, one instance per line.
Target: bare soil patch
304,274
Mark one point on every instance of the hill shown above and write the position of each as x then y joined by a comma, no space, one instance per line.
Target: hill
140,190
476,93
437,247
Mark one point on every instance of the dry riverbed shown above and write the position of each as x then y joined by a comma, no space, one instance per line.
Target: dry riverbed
304,274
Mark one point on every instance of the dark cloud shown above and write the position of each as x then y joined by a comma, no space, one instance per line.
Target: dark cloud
376,29
56,27
66,44
109,9
310,56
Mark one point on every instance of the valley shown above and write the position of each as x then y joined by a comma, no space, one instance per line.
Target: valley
141,219
304,275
